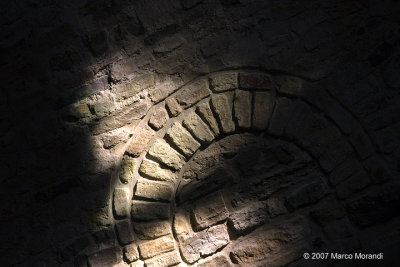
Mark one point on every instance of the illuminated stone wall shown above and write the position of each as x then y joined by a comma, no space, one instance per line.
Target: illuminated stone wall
199,133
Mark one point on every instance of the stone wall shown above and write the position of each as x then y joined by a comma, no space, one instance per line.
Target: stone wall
199,133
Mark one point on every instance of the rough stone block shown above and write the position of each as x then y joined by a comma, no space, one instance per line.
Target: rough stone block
131,252
377,169
133,87
153,170
158,118
140,140
125,232
143,210
128,167
166,154
242,108
362,144
281,115
223,82
248,218
344,170
336,154
262,110
152,230
352,184
223,113
182,227
106,257
330,211
157,246
137,263
173,107
205,112
182,139
193,93
255,81
121,201
204,243
198,128
276,206
307,193
220,261
153,190
167,259
209,211
302,124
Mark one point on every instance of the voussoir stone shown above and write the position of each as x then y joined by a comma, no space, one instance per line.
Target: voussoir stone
173,107
166,154
223,82
166,259
182,139
158,118
153,190
131,252
198,128
242,108
248,217
152,230
128,166
121,201
223,112
154,170
205,112
255,81
143,210
193,93
157,246
125,232
209,211
140,140
263,106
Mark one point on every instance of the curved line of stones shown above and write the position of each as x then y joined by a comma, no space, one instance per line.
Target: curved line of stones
218,105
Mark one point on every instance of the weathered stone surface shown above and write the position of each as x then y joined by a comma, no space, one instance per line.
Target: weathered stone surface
335,154
142,210
276,206
223,112
138,263
209,211
303,124
131,88
330,211
122,68
153,170
182,139
125,232
166,154
106,257
344,170
280,117
377,169
263,106
131,252
354,183
157,246
167,259
193,93
204,243
255,81
343,119
290,85
152,230
205,112
198,128
307,193
153,190
220,261
362,144
128,167
272,245
182,227
248,218
223,82
173,107
140,140
121,201
242,108
158,118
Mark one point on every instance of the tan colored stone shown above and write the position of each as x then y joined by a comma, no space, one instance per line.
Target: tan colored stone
223,112
205,112
158,118
158,246
242,108
182,227
125,232
209,211
143,210
263,106
153,170
121,201
131,252
173,107
193,93
223,82
152,230
138,263
131,88
220,261
198,128
128,167
140,140
167,259
166,154
182,139
153,190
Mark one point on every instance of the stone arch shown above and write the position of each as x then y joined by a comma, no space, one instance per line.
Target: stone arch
157,169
